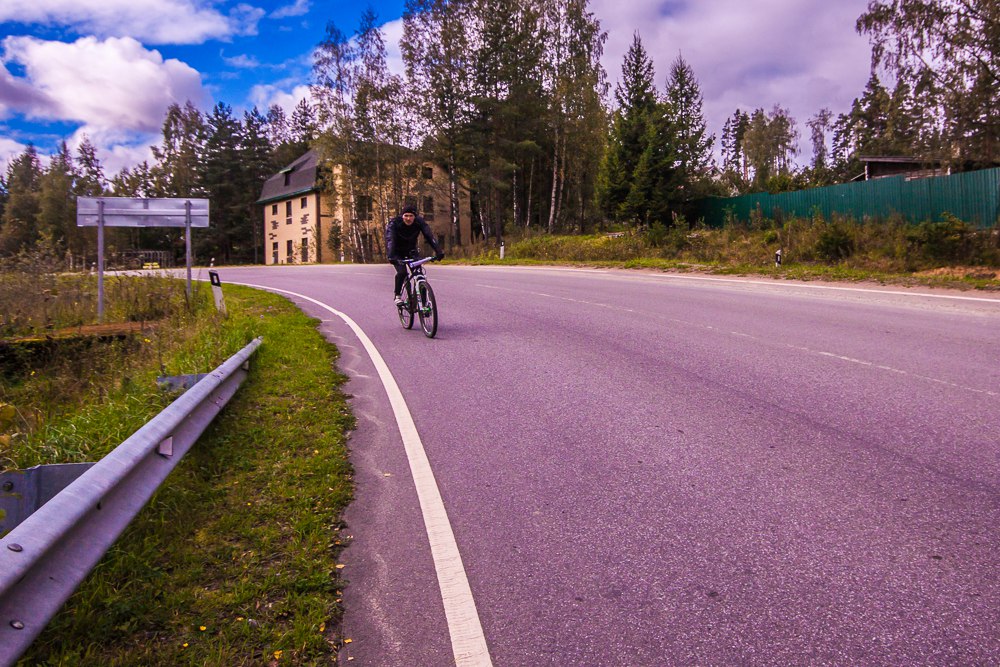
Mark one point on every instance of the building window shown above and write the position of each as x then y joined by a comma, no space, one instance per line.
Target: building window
428,208
305,249
303,202
427,173
410,171
363,207
288,209
274,209
289,249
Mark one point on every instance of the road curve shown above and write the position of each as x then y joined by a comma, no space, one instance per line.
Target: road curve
652,469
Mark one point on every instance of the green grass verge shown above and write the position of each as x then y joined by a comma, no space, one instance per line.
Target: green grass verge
233,562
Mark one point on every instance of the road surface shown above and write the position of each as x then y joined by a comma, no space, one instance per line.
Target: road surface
654,469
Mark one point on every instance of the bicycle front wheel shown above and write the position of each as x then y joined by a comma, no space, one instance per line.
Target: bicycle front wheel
428,309
406,310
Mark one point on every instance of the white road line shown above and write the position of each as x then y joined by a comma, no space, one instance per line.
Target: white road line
468,642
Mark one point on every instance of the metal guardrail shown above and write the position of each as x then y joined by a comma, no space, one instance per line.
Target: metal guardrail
45,557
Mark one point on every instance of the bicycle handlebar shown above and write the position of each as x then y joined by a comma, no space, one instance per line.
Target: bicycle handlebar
414,263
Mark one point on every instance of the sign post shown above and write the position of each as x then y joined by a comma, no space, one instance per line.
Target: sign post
128,212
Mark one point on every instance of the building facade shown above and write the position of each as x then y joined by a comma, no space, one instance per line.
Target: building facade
305,224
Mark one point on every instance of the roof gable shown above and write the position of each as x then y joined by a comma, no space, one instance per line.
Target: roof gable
297,178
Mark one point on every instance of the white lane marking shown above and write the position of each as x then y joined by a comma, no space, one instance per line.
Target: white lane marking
468,642
740,334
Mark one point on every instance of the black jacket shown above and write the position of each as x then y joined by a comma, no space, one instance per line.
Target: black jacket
401,239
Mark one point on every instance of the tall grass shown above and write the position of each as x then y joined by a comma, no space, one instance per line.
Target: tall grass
838,246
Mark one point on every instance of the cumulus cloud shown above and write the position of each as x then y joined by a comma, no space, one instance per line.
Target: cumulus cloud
241,61
9,149
392,33
150,21
298,8
114,84
803,55
285,96
116,149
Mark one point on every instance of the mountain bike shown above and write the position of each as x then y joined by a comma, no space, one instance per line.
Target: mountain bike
418,298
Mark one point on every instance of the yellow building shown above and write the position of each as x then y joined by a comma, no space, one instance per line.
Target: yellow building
303,224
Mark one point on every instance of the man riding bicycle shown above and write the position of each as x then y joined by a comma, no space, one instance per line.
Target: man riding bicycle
401,236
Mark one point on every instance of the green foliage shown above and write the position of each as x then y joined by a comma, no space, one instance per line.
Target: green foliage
946,240
946,52
834,244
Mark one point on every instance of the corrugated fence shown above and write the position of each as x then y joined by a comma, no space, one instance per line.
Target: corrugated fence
972,196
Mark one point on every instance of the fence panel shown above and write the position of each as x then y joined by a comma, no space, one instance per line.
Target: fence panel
973,197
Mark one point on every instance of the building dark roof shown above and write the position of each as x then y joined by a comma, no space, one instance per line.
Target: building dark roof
298,178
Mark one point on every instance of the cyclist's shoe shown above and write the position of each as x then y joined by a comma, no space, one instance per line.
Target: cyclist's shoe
399,301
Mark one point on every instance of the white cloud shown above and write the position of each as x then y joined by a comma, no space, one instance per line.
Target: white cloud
116,149
242,61
150,21
392,32
803,55
265,95
8,150
115,84
298,8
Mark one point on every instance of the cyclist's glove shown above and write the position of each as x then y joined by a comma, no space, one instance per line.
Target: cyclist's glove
439,256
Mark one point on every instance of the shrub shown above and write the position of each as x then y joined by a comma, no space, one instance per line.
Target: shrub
948,239
835,243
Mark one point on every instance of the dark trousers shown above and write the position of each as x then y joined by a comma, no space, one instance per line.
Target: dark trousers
400,276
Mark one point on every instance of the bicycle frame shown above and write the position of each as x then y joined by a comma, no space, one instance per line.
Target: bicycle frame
419,298
415,275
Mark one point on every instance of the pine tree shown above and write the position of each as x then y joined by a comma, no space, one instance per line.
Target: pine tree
56,201
256,158
636,99
691,142
18,227
735,166
221,178
654,195
176,172
90,181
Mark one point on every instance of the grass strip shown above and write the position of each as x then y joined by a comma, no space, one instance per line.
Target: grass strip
233,562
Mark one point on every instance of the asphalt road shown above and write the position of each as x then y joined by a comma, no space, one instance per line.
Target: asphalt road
642,469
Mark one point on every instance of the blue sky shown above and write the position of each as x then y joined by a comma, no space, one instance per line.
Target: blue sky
110,68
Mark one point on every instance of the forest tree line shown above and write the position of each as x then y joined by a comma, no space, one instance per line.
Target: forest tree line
510,98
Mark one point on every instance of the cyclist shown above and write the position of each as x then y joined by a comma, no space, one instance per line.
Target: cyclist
401,236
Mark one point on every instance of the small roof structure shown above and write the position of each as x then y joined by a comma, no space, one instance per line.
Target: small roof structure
298,178
881,166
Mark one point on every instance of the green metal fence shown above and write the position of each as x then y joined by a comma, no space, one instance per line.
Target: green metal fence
972,196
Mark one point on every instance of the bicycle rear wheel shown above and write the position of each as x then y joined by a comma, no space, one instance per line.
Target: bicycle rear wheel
428,309
406,310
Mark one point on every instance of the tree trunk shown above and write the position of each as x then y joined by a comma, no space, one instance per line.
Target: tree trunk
553,199
456,227
531,182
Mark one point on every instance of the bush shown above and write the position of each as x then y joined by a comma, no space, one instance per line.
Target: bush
947,240
834,244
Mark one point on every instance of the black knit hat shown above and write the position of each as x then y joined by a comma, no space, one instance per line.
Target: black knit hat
409,208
